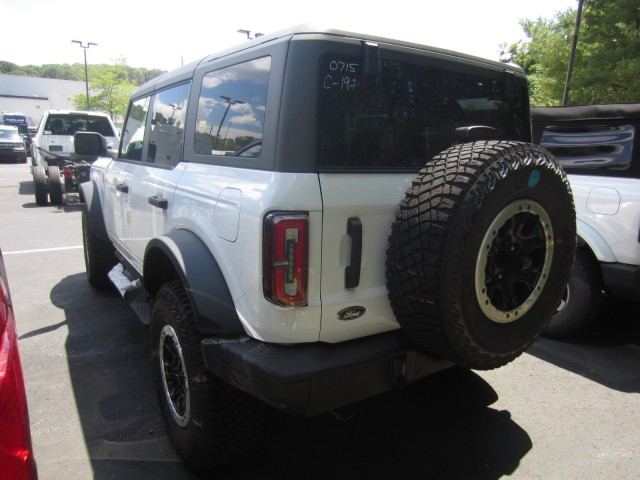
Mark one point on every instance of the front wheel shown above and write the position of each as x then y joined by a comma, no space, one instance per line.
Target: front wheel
209,421
99,256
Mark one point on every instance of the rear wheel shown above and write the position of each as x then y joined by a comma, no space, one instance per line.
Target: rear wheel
480,251
40,186
56,189
209,421
581,301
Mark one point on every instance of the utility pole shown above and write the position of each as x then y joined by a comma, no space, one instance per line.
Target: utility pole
572,55
86,75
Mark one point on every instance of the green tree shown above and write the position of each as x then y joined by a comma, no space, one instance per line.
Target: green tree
112,86
607,64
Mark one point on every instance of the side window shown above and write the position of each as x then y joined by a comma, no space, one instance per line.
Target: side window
231,110
133,132
166,137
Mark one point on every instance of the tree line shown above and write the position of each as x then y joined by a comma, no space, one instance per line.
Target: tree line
110,85
607,59
136,76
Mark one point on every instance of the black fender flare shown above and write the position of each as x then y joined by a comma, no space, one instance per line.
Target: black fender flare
92,205
200,275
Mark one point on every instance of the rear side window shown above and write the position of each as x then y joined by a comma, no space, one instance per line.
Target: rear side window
231,110
408,114
68,124
591,147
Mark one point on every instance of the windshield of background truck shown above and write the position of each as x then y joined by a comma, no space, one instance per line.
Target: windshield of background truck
10,135
69,124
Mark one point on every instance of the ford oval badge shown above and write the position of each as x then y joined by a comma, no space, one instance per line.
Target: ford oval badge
351,313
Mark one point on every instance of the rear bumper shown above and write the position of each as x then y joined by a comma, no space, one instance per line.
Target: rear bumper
622,280
308,379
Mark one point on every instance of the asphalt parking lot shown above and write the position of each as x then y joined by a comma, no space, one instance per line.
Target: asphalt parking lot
564,410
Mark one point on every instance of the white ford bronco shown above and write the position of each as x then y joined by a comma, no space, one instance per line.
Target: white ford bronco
316,217
598,146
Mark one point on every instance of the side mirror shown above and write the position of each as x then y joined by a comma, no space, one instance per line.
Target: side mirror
89,144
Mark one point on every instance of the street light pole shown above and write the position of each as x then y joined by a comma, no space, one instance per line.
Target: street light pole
86,75
229,102
572,55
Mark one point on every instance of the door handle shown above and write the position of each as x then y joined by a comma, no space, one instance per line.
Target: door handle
122,187
159,202
352,272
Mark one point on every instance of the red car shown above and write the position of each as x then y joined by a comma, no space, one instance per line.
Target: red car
16,453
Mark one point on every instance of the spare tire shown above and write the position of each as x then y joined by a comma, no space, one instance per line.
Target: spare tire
481,250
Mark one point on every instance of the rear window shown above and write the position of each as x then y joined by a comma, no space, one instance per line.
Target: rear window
68,124
409,113
595,146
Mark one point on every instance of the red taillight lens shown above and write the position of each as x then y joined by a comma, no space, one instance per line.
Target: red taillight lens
16,454
67,173
285,258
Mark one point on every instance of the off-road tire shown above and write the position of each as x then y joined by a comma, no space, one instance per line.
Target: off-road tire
99,256
209,421
581,300
56,189
480,251
40,186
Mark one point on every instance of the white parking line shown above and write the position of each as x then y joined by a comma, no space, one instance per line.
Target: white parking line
40,250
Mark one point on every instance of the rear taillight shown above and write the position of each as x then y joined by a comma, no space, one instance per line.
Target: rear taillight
68,172
285,258
16,453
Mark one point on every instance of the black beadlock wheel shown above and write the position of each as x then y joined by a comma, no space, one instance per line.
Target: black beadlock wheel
209,421
480,251
56,189
580,304
40,186
99,256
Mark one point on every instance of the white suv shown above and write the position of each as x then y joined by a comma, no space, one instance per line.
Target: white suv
598,146
316,217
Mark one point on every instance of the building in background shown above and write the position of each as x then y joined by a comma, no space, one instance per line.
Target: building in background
33,95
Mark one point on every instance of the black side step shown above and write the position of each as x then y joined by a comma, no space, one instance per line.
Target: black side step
142,305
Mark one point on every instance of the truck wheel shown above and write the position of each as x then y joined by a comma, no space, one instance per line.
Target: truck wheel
480,251
209,421
581,300
55,186
99,256
40,185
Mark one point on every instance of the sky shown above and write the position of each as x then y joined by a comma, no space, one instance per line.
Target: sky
167,34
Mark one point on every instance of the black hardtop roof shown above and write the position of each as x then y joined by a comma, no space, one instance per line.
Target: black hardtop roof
615,111
184,72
